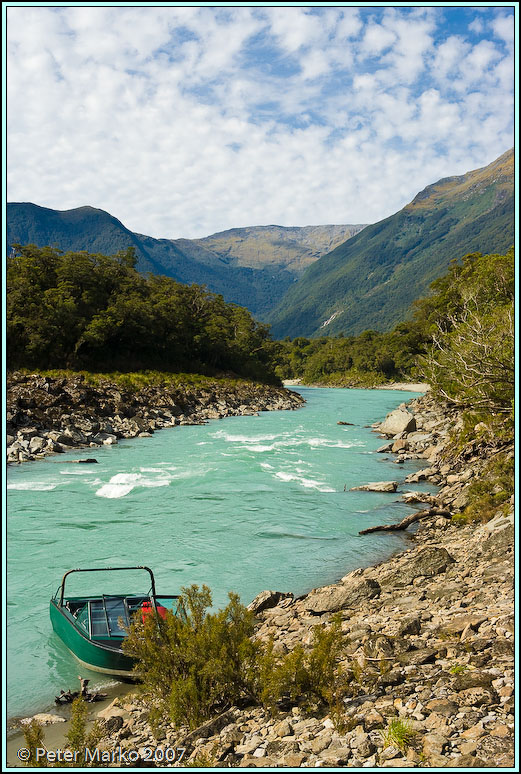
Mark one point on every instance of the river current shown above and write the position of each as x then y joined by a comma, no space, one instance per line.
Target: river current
242,504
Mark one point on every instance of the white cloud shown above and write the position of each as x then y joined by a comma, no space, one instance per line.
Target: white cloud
170,119
503,27
476,25
349,23
377,38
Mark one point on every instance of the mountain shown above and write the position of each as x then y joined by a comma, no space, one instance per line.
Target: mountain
370,281
268,246
252,267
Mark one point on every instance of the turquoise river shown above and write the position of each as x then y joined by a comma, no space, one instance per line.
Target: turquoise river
243,504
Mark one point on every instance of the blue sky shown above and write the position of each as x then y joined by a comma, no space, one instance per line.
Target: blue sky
184,121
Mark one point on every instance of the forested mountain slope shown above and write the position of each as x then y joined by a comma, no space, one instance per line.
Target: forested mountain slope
252,267
370,281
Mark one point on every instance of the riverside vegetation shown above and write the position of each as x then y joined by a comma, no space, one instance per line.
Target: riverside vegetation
409,663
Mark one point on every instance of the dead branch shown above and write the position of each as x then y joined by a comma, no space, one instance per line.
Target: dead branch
404,523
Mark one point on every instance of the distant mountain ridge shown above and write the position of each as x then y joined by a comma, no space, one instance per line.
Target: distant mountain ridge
312,280
371,280
298,246
251,266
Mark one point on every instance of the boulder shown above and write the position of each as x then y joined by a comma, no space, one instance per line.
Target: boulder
398,421
477,697
267,599
420,475
377,486
44,719
460,623
476,678
410,625
330,599
37,444
427,562
442,706
418,657
114,709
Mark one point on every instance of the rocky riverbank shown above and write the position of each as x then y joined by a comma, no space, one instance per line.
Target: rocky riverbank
429,646
47,415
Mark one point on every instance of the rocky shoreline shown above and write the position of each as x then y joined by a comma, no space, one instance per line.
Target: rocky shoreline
47,415
429,643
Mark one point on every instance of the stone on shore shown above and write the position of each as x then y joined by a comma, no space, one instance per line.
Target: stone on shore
267,599
46,415
377,486
43,718
398,421
428,562
341,596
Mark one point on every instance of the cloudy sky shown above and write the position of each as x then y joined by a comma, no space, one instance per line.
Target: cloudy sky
184,121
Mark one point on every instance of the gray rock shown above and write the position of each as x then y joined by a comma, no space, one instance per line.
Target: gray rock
411,625
342,596
477,697
496,752
433,744
442,706
59,438
394,677
37,444
398,421
428,562
458,624
267,599
473,679
377,486
388,753
418,657
283,728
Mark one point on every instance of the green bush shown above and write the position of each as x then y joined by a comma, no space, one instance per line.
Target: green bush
33,735
198,664
78,737
281,677
492,491
92,311
399,733
310,677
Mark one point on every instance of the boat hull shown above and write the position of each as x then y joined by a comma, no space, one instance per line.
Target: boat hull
92,654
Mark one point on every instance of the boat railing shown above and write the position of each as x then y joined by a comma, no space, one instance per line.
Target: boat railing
61,589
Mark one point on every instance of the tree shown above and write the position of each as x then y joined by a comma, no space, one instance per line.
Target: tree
470,363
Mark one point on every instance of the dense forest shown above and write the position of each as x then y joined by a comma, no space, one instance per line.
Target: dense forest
79,310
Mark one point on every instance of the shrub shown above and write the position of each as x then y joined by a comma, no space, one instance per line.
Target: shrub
458,669
197,664
282,678
399,733
492,491
309,677
33,735
78,738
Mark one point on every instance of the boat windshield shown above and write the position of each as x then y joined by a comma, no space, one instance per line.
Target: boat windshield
105,617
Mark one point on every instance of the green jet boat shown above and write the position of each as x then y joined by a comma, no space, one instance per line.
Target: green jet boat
93,627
